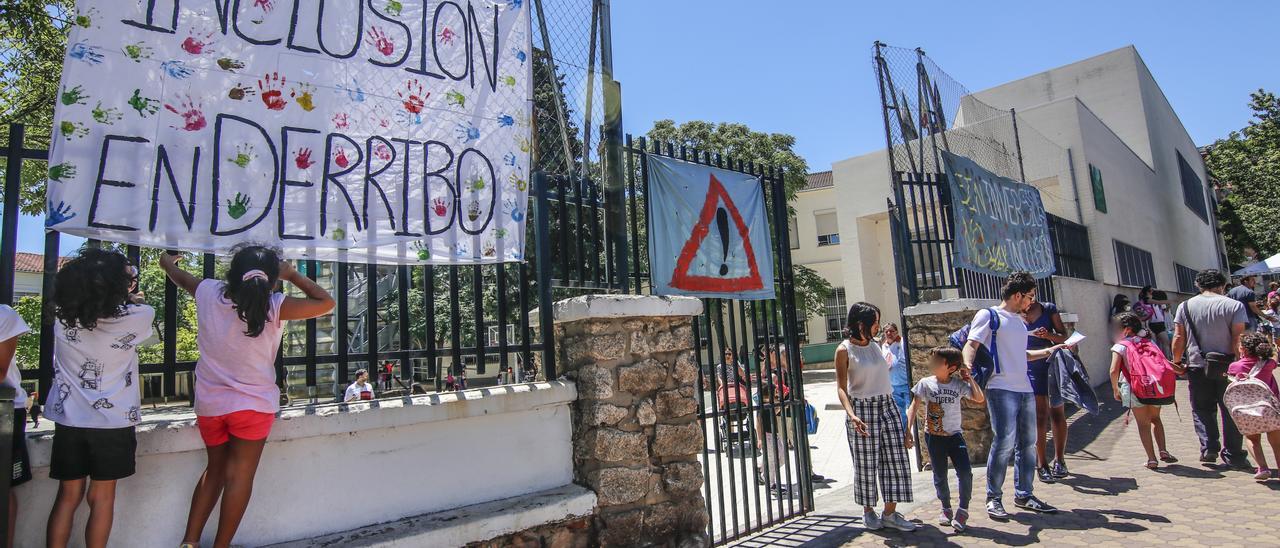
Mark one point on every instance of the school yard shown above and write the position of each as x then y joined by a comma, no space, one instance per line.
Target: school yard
1109,500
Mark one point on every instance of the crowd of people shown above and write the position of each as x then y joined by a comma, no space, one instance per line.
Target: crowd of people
1014,359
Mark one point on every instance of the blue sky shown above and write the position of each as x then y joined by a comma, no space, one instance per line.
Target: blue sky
804,66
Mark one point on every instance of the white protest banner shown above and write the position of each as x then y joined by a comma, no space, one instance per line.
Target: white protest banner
379,130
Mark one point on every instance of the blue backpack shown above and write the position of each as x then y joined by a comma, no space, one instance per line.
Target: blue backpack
810,419
985,363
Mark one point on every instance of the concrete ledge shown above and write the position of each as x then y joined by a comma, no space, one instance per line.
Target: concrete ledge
461,526
949,305
174,436
624,306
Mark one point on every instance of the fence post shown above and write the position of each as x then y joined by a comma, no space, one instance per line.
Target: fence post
7,395
9,233
542,250
615,177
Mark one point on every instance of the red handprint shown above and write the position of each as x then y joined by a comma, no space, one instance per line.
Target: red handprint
439,207
413,97
341,120
303,158
340,158
191,113
198,40
270,85
382,151
381,41
447,36
266,5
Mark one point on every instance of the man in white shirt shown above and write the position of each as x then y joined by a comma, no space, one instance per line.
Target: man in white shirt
1011,402
361,389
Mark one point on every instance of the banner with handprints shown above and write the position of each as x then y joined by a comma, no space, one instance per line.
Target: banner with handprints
379,130
1000,224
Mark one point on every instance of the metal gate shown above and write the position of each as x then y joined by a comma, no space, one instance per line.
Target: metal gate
759,336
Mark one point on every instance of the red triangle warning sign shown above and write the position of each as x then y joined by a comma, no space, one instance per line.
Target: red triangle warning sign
682,279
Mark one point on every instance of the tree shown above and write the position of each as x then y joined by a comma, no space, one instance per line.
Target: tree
739,142
1247,163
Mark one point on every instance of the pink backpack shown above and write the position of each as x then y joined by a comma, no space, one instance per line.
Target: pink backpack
1254,408
1151,377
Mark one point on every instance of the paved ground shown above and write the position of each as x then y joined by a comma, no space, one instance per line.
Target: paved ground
1110,500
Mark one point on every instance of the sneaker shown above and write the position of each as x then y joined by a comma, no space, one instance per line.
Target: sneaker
995,510
1263,474
1035,504
1208,457
1045,475
1059,470
945,518
961,522
871,520
897,521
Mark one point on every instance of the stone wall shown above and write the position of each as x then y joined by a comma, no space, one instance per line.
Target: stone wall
929,325
635,430
574,533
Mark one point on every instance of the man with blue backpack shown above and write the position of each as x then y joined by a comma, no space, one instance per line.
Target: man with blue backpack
995,350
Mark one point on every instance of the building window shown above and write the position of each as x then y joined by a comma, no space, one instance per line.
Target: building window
836,314
1192,189
1072,253
793,232
1186,278
1134,265
828,228
1099,193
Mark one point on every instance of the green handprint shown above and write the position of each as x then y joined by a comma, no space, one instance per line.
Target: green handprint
106,115
456,98
145,106
394,7
509,80
229,64
238,208
424,252
477,184
339,234
65,170
72,130
73,96
137,51
244,155
500,233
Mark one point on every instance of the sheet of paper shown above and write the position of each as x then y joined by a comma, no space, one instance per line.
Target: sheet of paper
1074,339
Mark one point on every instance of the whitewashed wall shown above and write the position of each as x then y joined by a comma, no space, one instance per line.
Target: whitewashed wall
337,467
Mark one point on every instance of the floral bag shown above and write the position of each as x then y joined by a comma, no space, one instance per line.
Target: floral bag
1254,408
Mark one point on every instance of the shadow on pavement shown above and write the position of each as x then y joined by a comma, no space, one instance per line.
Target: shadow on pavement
814,530
1090,485
1185,471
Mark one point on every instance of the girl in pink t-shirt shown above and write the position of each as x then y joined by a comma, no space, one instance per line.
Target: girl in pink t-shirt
1254,348
240,320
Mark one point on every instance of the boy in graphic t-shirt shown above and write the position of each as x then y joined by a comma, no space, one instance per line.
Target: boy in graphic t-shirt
96,397
940,396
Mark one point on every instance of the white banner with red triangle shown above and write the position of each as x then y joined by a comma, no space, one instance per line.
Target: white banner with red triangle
709,232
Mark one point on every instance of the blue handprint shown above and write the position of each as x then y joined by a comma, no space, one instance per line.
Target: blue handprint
467,132
515,4
516,213
355,93
60,214
505,120
510,159
84,52
519,54
176,69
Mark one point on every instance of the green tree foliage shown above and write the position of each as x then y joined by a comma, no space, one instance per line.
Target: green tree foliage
33,37
739,142
1247,163
28,353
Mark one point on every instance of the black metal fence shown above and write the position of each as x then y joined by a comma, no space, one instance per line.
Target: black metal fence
763,337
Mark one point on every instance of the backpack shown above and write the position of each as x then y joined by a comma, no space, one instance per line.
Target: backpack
810,419
985,362
1144,310
1151,378
1254,408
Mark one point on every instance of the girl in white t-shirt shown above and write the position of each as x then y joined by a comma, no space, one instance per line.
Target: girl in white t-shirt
241,319
96,397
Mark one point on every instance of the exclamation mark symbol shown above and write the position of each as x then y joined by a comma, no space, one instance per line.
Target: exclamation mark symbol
722,222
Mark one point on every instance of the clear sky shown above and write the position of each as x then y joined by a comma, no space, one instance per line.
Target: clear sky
804,66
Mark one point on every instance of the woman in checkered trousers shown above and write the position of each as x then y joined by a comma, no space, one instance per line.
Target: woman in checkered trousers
876,438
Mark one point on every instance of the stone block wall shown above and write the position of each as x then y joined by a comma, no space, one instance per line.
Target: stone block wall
930,325
635,429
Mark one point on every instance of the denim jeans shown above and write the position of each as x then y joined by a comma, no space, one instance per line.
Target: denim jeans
1013,421
902,397
1206,406
953,448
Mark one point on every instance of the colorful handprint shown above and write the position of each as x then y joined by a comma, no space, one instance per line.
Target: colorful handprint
340,158
510,207
266,5
58,215
73,96
393,8
108,116
413,98
381,41
439,207
304,96
447,35
510,159
341,120
382,152
270,86
145,106
519,54
198,41
467,132
239,92
517,180
230,65
354,93
85,18
137,51
176,69
239,207
192,114
72,130
243,156
82,51
456,98
63,171
505,120
302,158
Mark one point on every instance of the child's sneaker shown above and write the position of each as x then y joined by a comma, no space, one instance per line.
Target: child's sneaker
945,518
962,520
1263,474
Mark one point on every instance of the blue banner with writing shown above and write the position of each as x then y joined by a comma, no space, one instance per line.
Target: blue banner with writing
1000,223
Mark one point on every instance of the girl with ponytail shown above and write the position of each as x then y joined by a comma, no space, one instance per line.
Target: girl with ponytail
1254,348
240,320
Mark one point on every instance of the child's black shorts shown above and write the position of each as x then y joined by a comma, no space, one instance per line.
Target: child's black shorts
21,461
102,454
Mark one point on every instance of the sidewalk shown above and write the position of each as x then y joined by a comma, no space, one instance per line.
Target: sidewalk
1109,500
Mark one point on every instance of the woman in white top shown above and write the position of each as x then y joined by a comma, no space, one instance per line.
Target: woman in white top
877,439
